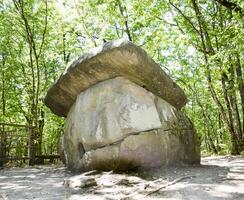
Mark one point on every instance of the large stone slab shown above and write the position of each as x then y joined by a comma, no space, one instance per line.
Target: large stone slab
145,151
119,125
109,111
113,59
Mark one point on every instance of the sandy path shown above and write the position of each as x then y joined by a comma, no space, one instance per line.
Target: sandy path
217,178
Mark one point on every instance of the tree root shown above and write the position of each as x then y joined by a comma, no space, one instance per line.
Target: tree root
168,184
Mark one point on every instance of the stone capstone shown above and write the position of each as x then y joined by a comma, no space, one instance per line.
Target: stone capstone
117,124
113,59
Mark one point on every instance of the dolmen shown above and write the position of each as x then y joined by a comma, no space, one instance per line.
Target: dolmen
122,112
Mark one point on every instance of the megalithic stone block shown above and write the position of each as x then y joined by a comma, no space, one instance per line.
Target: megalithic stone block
123,112
113,59
119,125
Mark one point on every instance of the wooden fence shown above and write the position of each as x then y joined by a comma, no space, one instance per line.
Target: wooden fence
17,143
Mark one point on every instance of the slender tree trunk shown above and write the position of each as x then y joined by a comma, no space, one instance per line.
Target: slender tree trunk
229,123
240,83
124,14
35,52
3,89
66,56
233,104
208,126
2,128
211,142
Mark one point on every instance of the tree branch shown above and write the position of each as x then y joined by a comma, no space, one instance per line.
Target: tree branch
44,31
168,184
122,10
186,18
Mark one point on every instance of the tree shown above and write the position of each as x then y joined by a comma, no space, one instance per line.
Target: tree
199,43
212,27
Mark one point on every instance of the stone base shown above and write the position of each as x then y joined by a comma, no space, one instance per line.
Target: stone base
145,151
118,125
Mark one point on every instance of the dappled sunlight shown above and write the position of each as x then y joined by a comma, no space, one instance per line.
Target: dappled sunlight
13,186
218,178
227,189
163,86
29,183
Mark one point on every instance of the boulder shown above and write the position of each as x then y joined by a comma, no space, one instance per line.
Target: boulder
110,110
144,151
113,59
116,124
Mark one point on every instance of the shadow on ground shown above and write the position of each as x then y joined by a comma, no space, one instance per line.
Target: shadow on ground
216,178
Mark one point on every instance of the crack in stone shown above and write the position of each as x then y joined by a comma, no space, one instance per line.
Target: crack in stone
137,133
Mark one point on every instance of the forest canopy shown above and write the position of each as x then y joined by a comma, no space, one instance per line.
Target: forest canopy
199,43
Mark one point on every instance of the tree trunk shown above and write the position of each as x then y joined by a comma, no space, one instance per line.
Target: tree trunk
2,129
125,18
240,83
233,104
35,51
31,148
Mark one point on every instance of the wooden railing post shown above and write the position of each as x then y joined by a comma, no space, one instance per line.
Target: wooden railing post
31,146
2,146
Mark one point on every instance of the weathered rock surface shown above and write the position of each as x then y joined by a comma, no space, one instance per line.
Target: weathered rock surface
110,110
80,181
145,150
117,124
113,59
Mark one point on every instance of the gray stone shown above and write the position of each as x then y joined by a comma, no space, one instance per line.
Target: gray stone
81,181
110,110
119,125
113,59
145,151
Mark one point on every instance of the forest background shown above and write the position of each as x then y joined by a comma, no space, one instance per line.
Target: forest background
199,43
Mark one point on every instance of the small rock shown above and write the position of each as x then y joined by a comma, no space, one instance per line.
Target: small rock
78,182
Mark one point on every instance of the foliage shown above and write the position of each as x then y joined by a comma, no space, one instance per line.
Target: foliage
199,43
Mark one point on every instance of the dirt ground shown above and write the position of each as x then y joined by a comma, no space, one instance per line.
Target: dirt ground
216,178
